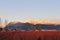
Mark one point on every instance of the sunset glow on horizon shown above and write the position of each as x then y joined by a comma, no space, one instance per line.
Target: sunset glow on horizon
41,11
29,19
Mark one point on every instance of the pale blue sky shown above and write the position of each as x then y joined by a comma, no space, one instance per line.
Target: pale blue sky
26,9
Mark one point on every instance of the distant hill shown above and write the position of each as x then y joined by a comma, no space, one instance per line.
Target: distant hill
29,26
21,26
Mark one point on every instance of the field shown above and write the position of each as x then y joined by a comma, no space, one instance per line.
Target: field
30,35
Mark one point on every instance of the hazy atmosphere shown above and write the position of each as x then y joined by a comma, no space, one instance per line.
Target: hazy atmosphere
29,19
30,9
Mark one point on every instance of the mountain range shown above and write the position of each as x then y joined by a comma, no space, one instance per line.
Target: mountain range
30,26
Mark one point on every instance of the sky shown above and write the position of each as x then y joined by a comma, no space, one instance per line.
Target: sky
29,9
